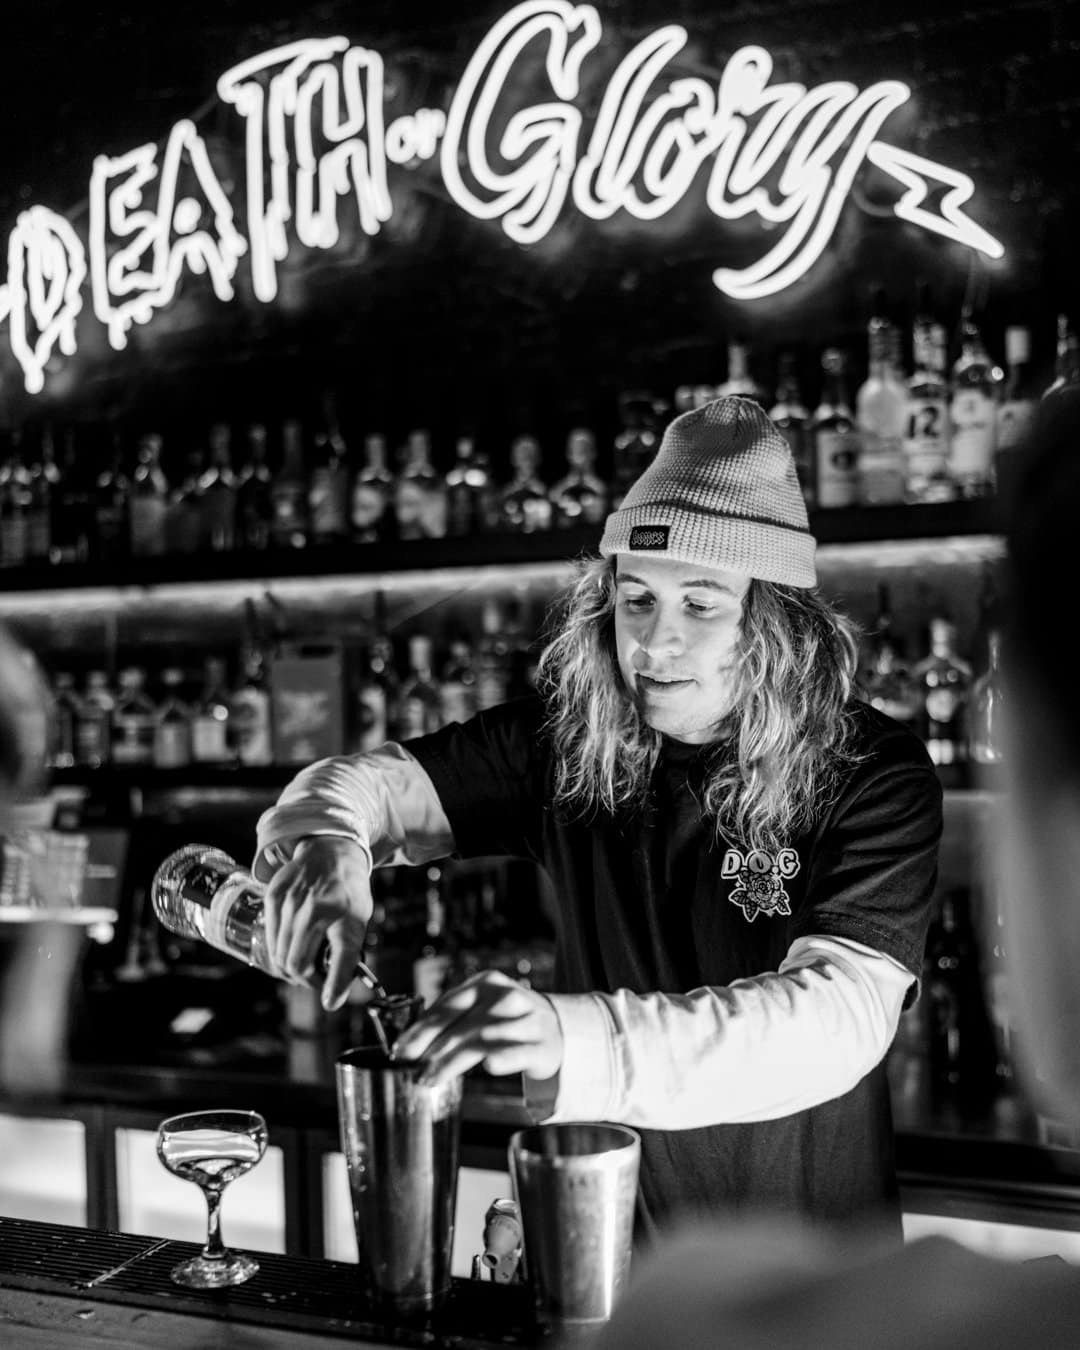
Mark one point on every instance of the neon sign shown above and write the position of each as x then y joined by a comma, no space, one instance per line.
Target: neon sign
317,143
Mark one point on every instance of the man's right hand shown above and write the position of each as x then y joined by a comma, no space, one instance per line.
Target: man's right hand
322,893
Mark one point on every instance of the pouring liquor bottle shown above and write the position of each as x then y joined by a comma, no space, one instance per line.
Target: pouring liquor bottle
200,892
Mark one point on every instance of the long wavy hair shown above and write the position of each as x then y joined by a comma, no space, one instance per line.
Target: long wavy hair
781,753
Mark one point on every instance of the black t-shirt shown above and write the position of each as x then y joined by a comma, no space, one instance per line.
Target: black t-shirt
651,902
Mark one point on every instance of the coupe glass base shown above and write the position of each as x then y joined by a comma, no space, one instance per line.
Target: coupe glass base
202,1272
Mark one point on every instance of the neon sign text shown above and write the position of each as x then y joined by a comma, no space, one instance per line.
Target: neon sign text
317,142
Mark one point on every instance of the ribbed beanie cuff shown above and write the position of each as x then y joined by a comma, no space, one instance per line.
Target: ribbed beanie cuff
722,491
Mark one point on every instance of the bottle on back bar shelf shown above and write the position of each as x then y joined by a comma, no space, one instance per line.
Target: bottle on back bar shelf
289,492
93,731
881,415
133,720
371,503
792,420
432,963
836,444
524,503
172,724
250,728
328,494
887,681
419,708
976,382
987,701
1067,360
72,529
420,492
210,742
217,493
740,383
635,443
63,749
579,497
926,432
149,499
255,493
943,680
44,478
112,506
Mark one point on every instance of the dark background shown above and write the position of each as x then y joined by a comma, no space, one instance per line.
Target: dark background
442,320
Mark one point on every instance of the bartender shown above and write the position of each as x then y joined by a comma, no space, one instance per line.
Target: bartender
742,852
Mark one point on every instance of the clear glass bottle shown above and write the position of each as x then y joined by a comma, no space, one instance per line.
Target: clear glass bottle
836,444
255,492
580,497
149,499
93,731
420,492
328,494
881,419
740,383
217,488
289,491
926,432
133,719
419,708
433,961
65,711
976,386
790,416
250,729
172,725
371,514
210,736
943,680
1067,358
987,700
524,503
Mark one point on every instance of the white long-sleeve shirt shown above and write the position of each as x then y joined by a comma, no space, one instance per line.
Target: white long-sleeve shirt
751,1050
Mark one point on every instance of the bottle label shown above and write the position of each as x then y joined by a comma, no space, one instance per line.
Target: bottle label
926,444
971,452
838,468
133,738
368,507
208,740
148,525
881,469
327,500
92,737
1013,423
249,725
172,744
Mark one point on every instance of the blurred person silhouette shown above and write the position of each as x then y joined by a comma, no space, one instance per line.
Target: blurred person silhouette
772,1285
37,958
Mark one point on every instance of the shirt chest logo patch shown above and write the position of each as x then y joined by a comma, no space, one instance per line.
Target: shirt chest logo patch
759,880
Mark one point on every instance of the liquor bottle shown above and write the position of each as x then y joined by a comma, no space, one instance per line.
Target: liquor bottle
43,478
579,497
184,510
133,720
328,495
72,527
200,892
790,417
419,709
524,503
112,505
836,445
65,716
469,492
369,725
250,726
740,383
289,491
976,383
635,442
881,418
926,432
1067,359
433,961
492,658
255,493
216,493
888,681
951,989
457,683
210,718
14,504
943,681
1019,398
149,499
172,724
420,492
93,731
987,695
371,514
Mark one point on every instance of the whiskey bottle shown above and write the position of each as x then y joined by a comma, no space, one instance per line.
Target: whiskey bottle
210,741
250,730
580,496
492,658
524,503
328,495
112,506
976,383
371,514
149,499
432,964
468,491
93,730
62,748
419,709
888,682
420,492
14,504
133,720
43,478
836,446
457,683
635,443
216,494
289,491
172,724
926,431
72,530
255,493
1067,359
943,681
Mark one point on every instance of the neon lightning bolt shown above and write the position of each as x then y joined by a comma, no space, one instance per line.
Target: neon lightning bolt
918,175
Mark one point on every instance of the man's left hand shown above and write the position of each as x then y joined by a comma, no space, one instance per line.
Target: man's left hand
489,1020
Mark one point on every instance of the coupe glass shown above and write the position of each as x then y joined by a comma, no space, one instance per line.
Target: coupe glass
212,1148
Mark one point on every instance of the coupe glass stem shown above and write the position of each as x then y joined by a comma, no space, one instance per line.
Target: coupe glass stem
215,1248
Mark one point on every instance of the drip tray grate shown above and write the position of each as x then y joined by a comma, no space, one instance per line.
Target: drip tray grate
307,1294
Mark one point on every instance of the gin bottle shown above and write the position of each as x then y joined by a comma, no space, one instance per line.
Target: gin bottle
836,446
976,381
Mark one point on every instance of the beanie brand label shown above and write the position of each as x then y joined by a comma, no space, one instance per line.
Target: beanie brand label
644,538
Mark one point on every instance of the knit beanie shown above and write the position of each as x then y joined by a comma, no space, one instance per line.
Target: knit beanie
721,491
